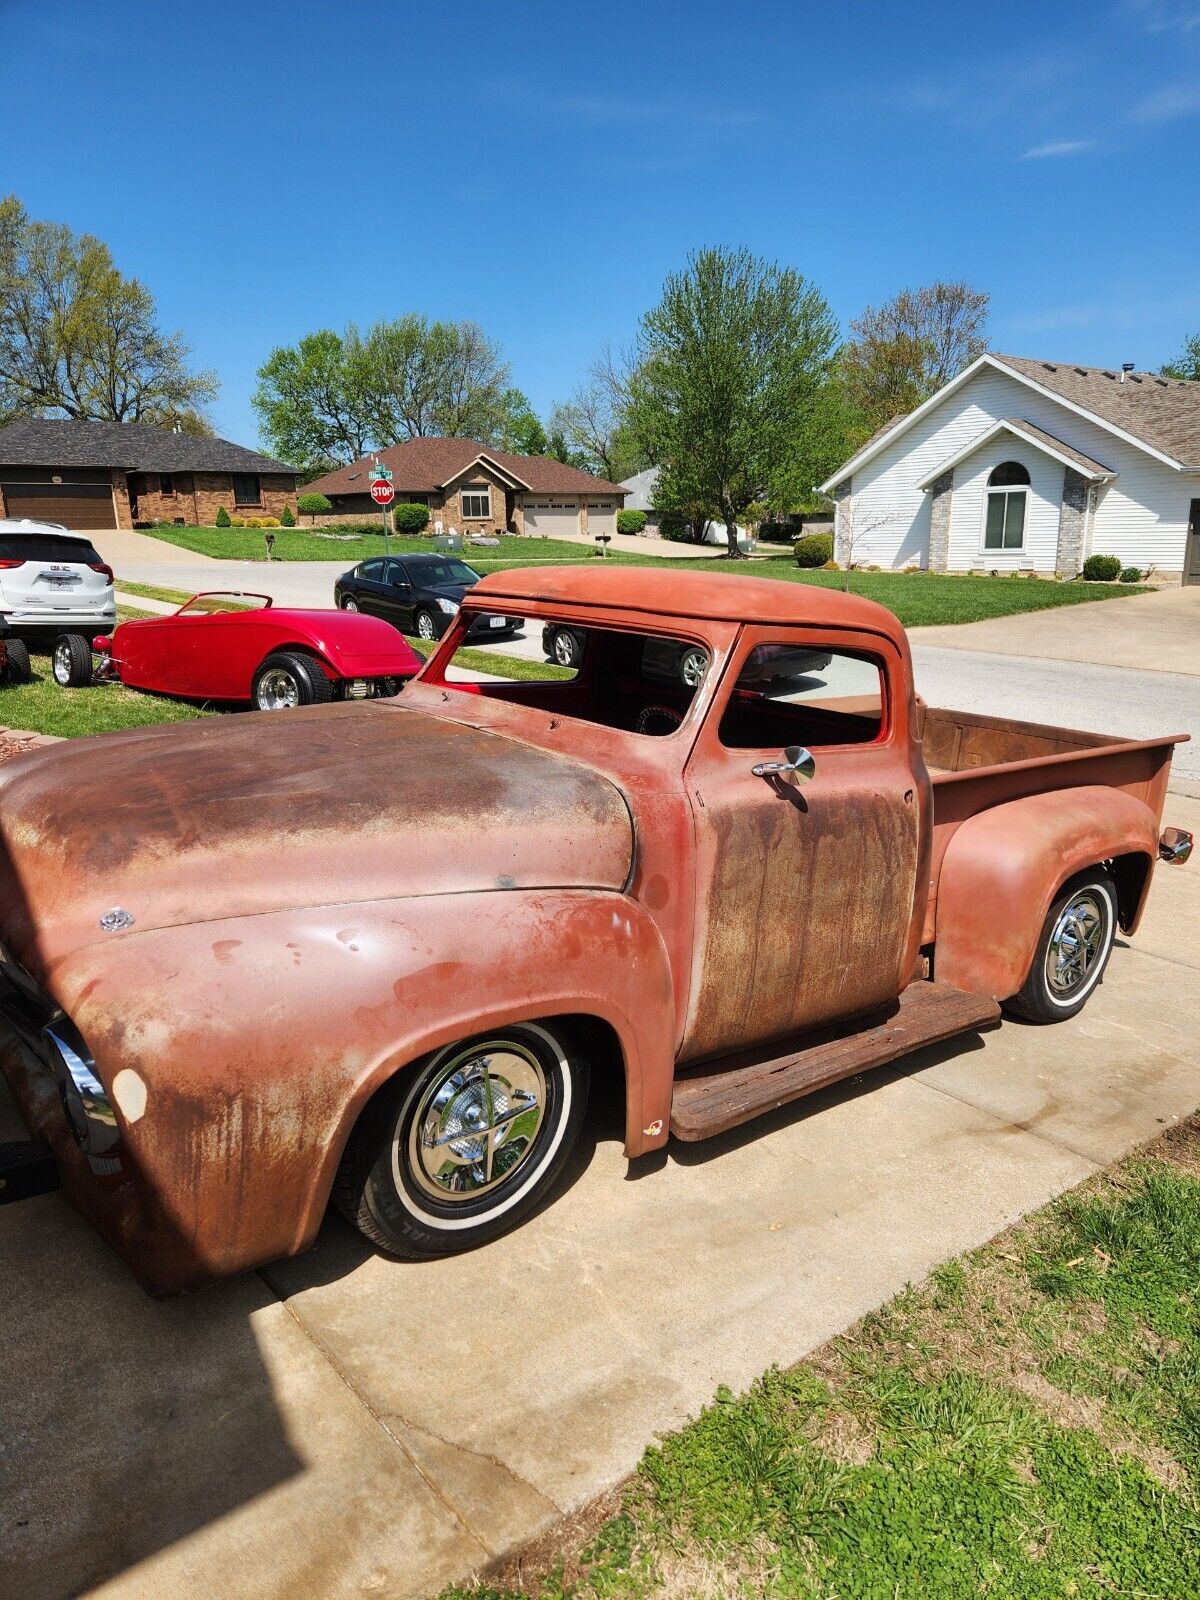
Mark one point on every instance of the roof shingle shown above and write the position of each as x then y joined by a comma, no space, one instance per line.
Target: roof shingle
1162,412
420,466
134,446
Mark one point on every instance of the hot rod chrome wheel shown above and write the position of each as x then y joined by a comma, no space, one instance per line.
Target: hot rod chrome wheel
458,1148
71,662
1072,950
277,690
1076,942
477,1120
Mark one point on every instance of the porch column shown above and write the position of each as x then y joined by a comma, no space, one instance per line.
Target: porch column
940,491
1072,524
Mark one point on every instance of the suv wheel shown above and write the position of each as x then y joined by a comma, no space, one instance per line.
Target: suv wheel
72,661
458,1149
285,680
17,667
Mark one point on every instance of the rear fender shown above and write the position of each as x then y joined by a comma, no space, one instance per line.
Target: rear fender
1003,868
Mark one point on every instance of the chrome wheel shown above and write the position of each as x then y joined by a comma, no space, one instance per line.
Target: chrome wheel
349,603
425,629
477,1121
565,649
277,691
692,667
1077,945
62,663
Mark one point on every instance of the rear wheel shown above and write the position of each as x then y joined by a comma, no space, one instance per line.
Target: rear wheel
72,660
458,1149
285,680
349,603
18,669
1072,950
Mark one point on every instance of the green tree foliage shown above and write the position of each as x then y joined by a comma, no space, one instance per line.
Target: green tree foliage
521,432
333,395
79,340
1186,365
313,506
902,352
729,394
287,518
222,517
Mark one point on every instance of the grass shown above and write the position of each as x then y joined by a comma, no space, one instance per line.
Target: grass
1024,1425
499,666
919,599
176,597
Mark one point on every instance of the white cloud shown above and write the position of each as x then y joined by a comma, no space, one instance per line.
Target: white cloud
1058,147
1166,16
1167,104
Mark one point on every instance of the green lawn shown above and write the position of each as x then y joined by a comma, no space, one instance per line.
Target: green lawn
918,599
42,707
1023,1426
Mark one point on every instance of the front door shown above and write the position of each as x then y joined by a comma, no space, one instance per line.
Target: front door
1191,556
806,895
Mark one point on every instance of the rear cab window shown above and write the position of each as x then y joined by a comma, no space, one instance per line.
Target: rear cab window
16,547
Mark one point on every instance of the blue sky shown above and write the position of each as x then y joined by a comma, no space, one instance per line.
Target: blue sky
268,168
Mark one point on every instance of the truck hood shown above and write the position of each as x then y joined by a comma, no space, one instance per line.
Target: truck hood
255,813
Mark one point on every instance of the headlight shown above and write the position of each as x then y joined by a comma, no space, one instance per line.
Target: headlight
85,1099
448,606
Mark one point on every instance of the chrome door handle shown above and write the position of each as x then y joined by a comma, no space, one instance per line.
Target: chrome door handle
797,766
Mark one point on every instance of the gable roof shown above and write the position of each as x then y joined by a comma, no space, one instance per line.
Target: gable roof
133,446
1158,415
420,466
1032,434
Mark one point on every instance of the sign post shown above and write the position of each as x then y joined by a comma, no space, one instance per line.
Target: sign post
383,494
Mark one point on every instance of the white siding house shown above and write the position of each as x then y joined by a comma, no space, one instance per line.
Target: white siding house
1078,460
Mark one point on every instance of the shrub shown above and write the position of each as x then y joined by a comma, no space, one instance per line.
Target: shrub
1101,569
814,549
629,521
237,522
1131,574
286,519
222,517
409,517
830,566
313,506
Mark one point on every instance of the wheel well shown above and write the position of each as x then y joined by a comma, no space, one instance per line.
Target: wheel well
301,650
1130,874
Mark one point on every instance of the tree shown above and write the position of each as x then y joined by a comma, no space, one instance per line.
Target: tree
334,395
313,505
904,351
79,340
728,384
521,431
593,424
1186,365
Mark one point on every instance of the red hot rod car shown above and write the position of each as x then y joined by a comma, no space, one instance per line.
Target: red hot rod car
272,657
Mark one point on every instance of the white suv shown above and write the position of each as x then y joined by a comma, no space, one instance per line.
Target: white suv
53,580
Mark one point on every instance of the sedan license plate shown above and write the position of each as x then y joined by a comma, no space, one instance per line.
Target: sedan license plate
497,622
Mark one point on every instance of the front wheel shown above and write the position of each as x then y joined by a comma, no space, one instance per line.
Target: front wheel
426,626
72,661
285,680
1072,950
458,1149
566,648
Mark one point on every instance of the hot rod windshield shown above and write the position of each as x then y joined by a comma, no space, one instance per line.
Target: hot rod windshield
639,682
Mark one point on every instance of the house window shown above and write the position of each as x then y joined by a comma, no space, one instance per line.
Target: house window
1004,523
246,489
476,501
166,485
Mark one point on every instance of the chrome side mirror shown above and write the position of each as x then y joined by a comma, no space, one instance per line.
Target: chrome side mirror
797,766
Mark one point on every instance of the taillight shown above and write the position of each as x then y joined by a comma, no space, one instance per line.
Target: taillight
12,562
102,644
99,566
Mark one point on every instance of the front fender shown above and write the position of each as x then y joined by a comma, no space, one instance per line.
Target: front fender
251,1045
1003,868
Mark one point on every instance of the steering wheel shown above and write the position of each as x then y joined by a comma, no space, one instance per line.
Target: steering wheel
658,720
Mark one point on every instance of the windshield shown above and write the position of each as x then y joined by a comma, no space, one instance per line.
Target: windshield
440,574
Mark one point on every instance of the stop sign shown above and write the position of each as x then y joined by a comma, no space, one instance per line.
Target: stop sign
382,492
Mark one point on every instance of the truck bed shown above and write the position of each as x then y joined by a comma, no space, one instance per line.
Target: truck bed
977,762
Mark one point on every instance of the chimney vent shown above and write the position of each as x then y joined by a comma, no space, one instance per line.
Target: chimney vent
1126,368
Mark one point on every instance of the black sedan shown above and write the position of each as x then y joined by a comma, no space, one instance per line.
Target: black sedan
419,594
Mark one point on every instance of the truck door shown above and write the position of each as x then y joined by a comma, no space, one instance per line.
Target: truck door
804,893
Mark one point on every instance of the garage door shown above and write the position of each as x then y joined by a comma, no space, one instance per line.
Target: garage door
602,519
554,517
75,505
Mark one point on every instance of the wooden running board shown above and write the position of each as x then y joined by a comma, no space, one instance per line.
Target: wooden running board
721,1094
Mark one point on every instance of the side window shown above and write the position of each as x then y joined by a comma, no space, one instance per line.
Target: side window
788,695
372,571
396,573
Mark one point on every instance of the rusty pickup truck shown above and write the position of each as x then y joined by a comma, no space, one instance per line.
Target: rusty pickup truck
373,952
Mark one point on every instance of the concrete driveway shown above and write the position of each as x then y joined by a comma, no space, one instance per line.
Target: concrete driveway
345,1425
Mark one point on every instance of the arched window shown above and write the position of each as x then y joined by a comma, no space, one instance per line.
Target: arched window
1004,523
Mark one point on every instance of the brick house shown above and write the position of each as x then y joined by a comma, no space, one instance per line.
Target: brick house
474,489
96,475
